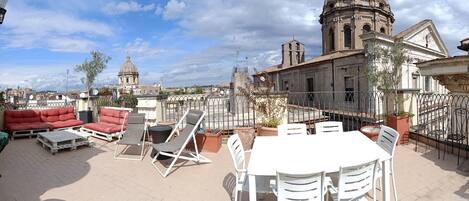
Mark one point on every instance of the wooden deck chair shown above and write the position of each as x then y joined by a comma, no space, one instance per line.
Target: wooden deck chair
177,142
133,136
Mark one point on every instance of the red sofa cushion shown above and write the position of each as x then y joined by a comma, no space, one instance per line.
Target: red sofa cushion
27,126
21,116
65,124
112,116
103,127
18,120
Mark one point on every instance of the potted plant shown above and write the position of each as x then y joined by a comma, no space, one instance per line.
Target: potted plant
385,73
91,68
270,107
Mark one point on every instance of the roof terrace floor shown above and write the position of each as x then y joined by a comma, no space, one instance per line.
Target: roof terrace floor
31,173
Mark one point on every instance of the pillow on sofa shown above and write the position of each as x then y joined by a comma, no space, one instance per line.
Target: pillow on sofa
66,117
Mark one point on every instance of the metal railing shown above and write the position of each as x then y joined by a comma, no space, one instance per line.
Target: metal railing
443,118
355,109
44,105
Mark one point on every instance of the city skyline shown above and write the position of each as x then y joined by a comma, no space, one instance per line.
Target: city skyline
177,39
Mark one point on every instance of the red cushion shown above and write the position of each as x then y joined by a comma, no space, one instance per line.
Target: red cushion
17,126
39,125
112,116
27,126
103,127
68,123
52,119
68,116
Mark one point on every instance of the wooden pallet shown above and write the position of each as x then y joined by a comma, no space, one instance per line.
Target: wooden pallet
66,142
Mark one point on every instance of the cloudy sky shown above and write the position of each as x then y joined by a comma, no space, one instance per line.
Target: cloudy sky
182,42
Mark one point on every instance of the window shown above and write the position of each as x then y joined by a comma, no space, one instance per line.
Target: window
366,28
297,46
285,85
348,83
382,30
381,5
415,82
347,36
127,80
427,83
310,85
331,40
331,5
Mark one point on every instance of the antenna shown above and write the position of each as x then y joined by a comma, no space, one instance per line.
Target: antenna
66,86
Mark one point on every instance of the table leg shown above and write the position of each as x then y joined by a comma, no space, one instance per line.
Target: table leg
252,188
386,180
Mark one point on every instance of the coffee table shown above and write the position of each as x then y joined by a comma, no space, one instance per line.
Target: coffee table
65,139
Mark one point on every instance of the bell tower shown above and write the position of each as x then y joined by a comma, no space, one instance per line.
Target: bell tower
343,21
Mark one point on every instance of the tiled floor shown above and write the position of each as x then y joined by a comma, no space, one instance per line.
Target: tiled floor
91,174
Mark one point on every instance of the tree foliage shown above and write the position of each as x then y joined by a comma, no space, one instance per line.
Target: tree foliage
385,68
92,68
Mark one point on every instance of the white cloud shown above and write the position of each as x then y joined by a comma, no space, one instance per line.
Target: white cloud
159,10
140,48
116,8
174,9
28,28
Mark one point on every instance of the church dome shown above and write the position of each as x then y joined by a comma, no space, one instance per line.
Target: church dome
128,68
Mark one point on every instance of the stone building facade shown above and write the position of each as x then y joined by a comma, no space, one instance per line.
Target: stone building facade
343,21
342,69
129,81
128,75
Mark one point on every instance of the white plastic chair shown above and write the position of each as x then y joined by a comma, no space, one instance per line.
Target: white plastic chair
309,187
329,127
237,154
292,129
355,182
387,140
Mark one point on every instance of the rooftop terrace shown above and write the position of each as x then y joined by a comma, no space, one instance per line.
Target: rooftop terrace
31,173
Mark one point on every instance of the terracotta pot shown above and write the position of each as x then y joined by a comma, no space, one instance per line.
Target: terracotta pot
266,131
207,142
371,132
401,125
247,135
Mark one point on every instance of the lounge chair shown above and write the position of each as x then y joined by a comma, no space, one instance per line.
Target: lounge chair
177,142
133,136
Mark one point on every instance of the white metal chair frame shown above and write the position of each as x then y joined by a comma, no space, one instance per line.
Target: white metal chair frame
387,140
311,187
355,182
329,127
197,157
292,129
145,134
236,149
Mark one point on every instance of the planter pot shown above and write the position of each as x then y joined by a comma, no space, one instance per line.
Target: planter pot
208,141
401,125
266,131
371,132
247,135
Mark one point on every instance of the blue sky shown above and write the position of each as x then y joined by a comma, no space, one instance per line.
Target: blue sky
182,42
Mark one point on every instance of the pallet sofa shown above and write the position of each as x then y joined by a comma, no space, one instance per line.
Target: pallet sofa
112,123
20,123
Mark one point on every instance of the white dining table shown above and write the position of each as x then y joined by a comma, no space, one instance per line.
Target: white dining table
314,153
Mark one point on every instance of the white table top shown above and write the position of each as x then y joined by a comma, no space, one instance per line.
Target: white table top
312,153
